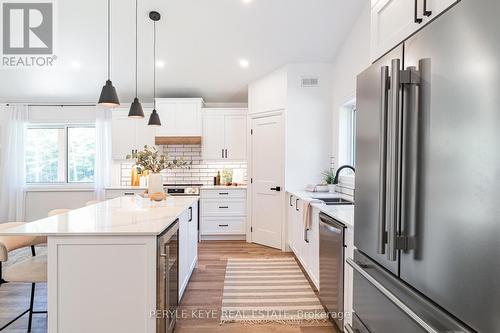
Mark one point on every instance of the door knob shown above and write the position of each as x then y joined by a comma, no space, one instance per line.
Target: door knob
277,188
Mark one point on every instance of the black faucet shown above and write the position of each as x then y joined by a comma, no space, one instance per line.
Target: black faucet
336,180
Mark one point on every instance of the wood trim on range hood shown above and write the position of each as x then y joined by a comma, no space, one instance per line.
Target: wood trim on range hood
177,140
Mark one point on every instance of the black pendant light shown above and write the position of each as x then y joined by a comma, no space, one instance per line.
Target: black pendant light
108,97
136,107
154,119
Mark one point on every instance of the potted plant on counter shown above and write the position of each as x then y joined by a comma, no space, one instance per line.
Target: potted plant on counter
152,161
329,179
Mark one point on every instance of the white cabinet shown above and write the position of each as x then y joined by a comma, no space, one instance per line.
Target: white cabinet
392,21
235,130
128,134
213,137
224,134
304,243
223,213
179,116
188,246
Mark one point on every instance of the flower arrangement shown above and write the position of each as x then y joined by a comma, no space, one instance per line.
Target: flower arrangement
151,160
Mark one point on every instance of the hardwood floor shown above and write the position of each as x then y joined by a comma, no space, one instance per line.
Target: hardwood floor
203,296
204,292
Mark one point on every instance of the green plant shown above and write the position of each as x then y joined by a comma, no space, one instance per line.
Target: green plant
151,160
329,176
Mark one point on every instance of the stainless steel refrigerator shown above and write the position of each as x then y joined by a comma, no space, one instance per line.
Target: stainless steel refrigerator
427,214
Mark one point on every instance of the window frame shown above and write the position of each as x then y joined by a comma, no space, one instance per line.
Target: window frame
66,182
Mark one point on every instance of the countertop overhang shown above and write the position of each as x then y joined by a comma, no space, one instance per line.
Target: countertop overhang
123,216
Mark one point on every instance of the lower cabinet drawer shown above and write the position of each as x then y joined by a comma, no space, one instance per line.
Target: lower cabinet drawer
215,208
221,225
111,194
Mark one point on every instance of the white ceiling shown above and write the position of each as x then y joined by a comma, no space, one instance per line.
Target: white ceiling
200,42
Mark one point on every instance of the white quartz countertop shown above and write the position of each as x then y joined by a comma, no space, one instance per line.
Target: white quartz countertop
135,216
341,213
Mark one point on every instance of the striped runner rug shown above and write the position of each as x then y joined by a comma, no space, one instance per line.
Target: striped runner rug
268,290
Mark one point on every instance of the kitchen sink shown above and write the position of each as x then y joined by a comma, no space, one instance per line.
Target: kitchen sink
336,201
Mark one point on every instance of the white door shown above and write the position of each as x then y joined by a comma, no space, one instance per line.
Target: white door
392,21
268,169
213,137
235,137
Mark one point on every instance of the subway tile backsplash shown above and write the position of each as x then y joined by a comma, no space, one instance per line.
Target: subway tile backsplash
201,172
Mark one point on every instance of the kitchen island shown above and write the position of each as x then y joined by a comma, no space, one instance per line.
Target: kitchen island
102,262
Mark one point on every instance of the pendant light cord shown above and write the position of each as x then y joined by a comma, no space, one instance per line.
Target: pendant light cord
136,11
154,65
109,39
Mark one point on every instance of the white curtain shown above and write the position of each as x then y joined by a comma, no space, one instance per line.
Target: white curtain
103,157
13,181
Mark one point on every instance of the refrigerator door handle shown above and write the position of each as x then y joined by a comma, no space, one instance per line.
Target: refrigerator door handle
396,301
410,79
382,235
394,157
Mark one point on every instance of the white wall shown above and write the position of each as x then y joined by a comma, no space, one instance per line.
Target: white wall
352,59
308,125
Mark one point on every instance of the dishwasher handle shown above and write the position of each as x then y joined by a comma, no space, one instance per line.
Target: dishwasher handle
331,224
331,228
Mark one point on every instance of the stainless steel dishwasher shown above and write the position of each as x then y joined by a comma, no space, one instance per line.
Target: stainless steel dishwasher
331,268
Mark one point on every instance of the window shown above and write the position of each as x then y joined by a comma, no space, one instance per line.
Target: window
347,134
57,154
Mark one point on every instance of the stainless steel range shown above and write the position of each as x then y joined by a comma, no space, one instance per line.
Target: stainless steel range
182,189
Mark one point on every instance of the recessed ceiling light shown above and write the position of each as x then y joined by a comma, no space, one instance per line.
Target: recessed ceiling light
244,63
160,64
246,1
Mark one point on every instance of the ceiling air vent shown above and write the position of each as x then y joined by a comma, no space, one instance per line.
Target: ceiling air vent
308,82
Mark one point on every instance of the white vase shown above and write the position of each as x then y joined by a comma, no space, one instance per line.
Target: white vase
155,183
331,188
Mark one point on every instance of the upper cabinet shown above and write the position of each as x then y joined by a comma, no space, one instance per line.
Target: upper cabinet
392,21
179,116
224,134
129,134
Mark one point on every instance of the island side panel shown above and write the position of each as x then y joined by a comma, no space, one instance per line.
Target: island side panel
101,284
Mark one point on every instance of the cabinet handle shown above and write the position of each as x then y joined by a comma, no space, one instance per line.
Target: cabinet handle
427,12
223,225
226,152
291,204
223,207
297,204
190,214
305,235
417,19
222,153
129,193
223,193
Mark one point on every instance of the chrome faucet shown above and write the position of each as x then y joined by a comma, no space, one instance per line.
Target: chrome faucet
336,181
